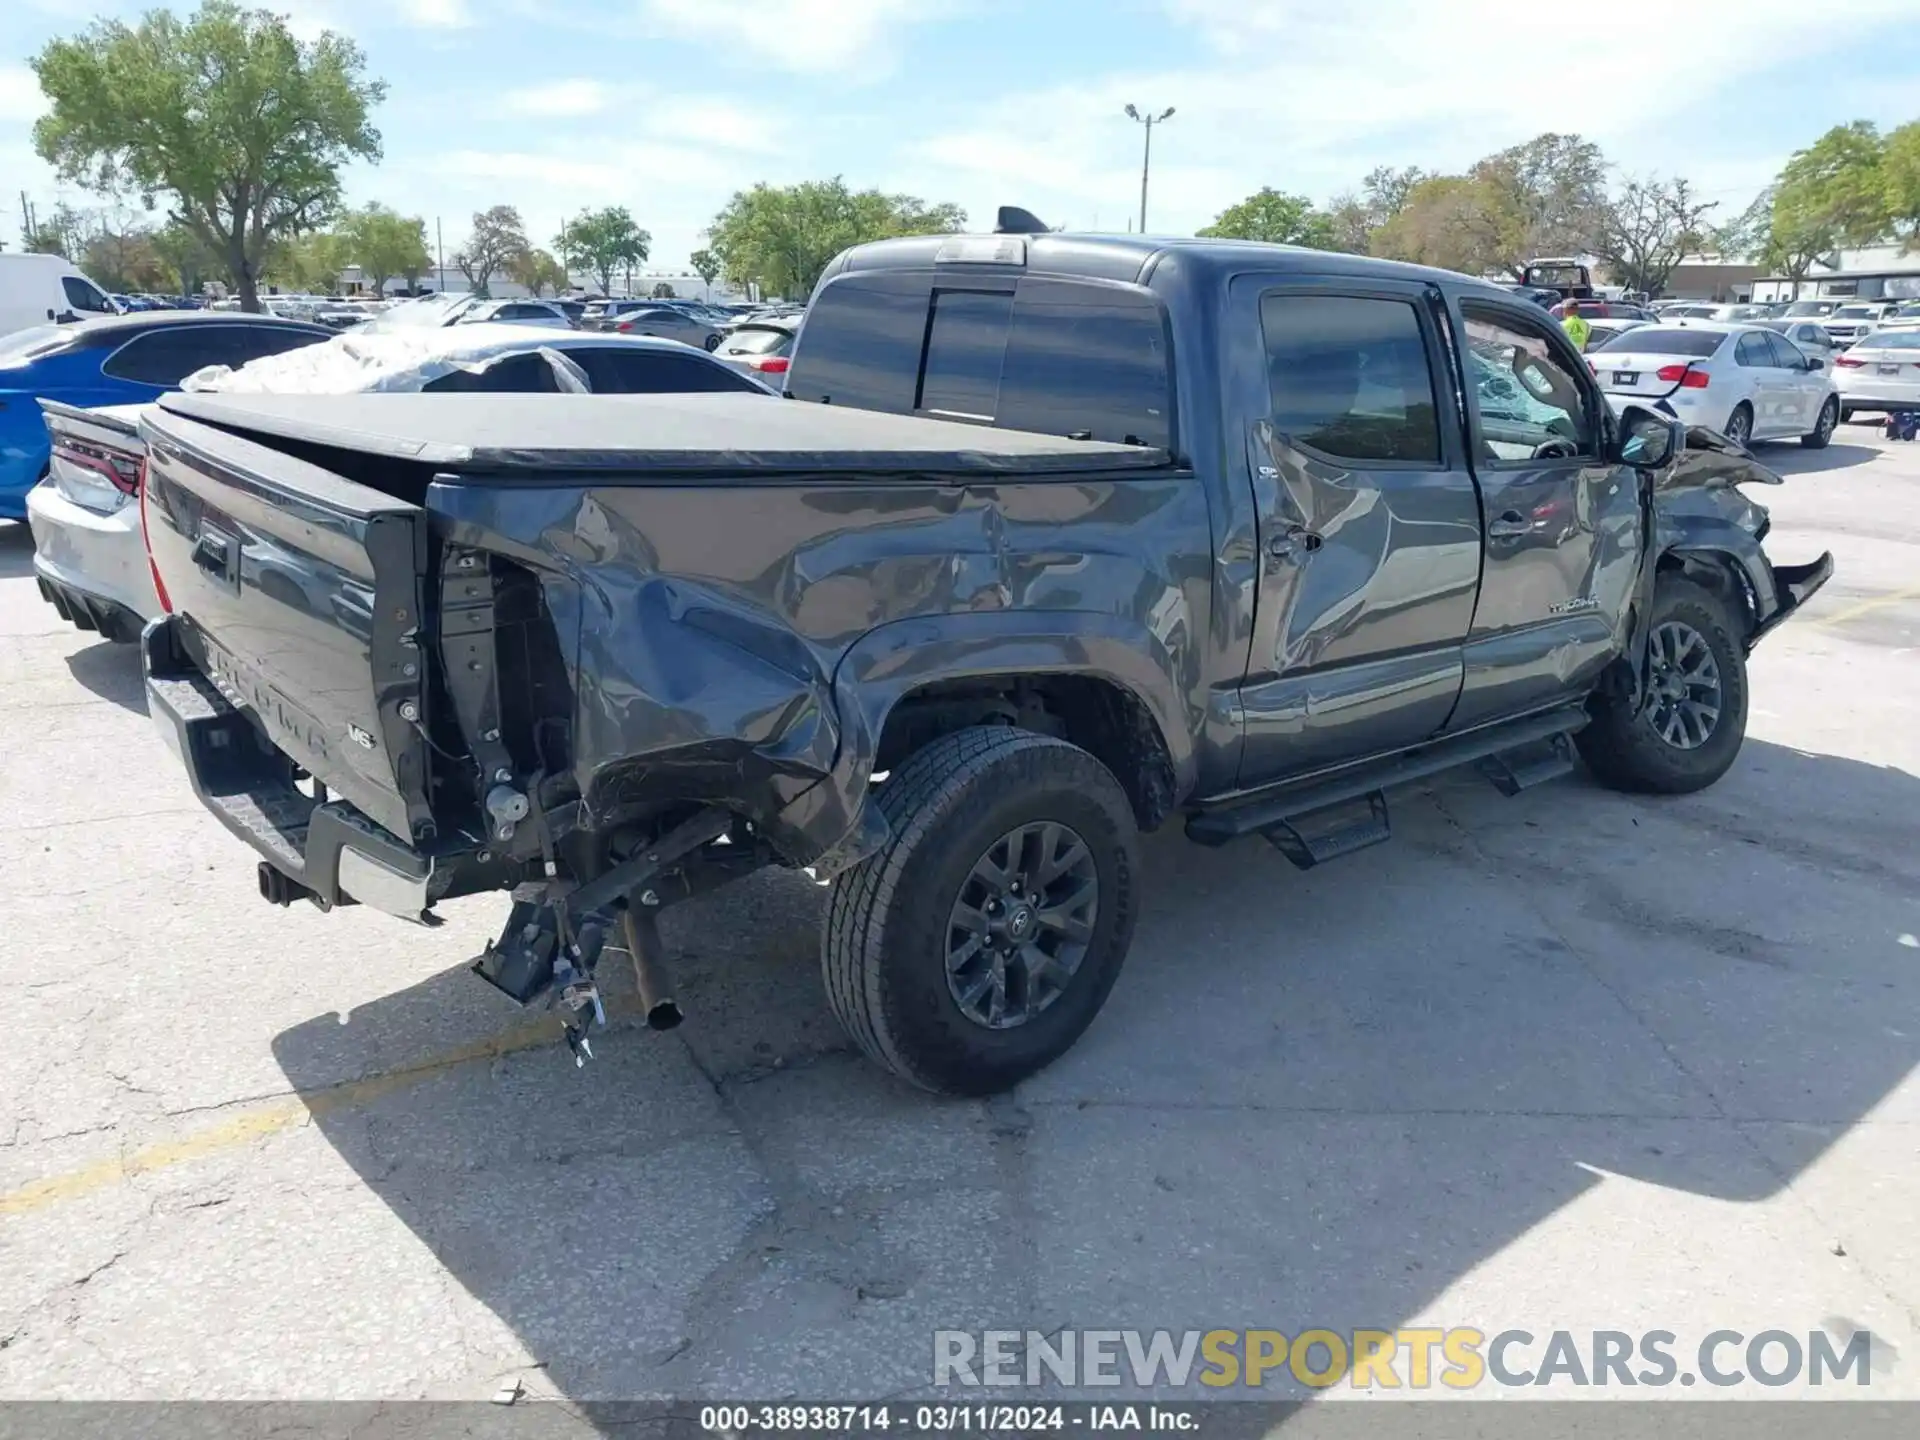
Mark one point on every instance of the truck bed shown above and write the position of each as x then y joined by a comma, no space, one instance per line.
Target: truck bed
681,435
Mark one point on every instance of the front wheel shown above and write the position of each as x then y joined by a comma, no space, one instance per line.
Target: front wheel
1822,430
1693,717
983,938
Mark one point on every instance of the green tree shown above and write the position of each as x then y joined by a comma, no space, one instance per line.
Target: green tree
602,242
1838,184
384,244
781,237
664,291
1275,218
242,127
1647,228
1800,234
1546,197
1454,222
62,233
538,270
186,259
498,239
124,260
707,266
1900,177
306,264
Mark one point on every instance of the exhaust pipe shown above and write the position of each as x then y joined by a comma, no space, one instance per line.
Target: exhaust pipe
642,934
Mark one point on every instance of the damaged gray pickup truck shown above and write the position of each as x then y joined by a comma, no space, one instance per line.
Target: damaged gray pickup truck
1235,534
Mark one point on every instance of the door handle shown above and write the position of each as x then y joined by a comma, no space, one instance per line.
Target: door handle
1510,526
1292,544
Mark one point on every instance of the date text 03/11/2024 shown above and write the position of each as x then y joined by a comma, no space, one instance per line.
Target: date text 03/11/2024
941,1419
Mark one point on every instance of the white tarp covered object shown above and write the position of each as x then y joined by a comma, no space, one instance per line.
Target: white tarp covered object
392,360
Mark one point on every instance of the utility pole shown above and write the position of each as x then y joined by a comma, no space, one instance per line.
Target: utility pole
1146,160
440,255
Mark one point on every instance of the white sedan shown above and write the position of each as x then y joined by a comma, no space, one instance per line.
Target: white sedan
91,560
1745,381
1882,372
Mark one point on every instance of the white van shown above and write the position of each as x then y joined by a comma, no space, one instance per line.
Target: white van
35,289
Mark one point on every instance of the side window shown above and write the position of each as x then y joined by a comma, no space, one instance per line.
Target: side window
966,352
1087,360
1527,396
82,296
620,371
516,375
1752,352
1785,354
1349,376
860,342
156,358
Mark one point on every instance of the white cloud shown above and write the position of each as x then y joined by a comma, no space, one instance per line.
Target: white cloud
814,36
718,123
436,14
561,99
1307,98
20,99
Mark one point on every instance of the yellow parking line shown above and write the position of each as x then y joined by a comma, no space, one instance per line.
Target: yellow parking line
284,1114
1867,607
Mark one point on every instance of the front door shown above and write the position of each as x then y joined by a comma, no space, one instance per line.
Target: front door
1562,525
1369,529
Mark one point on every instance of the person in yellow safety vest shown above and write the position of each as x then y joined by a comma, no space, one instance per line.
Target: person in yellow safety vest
1576,327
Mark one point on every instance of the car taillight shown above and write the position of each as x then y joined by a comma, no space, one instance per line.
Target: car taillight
1849,362
120,471
1685,376
146,539
770,364
625,327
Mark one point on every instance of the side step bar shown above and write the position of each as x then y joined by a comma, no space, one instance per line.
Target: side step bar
1317,818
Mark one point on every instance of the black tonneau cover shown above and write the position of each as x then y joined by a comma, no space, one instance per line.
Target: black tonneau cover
714,434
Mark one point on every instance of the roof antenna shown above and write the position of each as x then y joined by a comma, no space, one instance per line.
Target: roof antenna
1012,220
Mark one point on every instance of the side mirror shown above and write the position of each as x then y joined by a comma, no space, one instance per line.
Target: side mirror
1814,362
1646,440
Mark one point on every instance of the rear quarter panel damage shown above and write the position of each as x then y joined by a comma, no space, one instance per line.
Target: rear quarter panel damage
744,642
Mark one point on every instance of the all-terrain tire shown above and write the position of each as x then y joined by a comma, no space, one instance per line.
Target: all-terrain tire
884,939
1622,746
1822,430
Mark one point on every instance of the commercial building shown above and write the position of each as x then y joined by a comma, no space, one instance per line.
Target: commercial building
1879,272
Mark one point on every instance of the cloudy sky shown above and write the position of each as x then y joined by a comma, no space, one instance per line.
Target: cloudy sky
668,106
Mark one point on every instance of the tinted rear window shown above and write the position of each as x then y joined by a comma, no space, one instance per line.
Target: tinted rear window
966,352
517,374
1663,340
1892,340
1349,376
1086,360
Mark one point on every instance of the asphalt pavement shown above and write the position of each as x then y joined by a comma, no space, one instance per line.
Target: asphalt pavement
1566,1061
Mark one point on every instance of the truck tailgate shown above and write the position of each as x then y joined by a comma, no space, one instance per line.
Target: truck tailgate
298,595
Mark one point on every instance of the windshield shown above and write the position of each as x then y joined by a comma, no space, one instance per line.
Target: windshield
33,342
1556,276
1857,312
756,340
1892,340
1663,340
415,314
1812,307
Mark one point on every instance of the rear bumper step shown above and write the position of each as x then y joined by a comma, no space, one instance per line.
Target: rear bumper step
326,852
1275,809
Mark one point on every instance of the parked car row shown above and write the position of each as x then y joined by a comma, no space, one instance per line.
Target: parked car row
94,379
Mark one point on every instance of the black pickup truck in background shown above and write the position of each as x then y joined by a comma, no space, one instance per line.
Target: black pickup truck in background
1234,533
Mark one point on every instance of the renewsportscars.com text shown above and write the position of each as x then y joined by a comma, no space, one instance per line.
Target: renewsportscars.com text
1461,1358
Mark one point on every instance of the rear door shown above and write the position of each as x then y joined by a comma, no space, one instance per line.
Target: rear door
1763,383
299,594
1368,521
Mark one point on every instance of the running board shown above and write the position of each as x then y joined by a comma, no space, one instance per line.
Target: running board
1518,754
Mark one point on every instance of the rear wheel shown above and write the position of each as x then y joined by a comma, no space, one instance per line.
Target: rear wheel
1694,717
1740,424
1822,430
981,941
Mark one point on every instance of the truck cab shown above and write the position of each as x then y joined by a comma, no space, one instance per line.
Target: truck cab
1565,274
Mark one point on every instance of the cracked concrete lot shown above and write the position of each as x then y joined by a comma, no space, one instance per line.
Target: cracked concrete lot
1568,1061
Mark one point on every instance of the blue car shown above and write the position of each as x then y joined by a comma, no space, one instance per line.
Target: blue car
116,360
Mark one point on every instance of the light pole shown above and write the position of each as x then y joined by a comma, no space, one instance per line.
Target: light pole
1146,160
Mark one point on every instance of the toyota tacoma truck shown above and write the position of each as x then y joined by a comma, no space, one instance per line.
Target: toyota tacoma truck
1052,540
